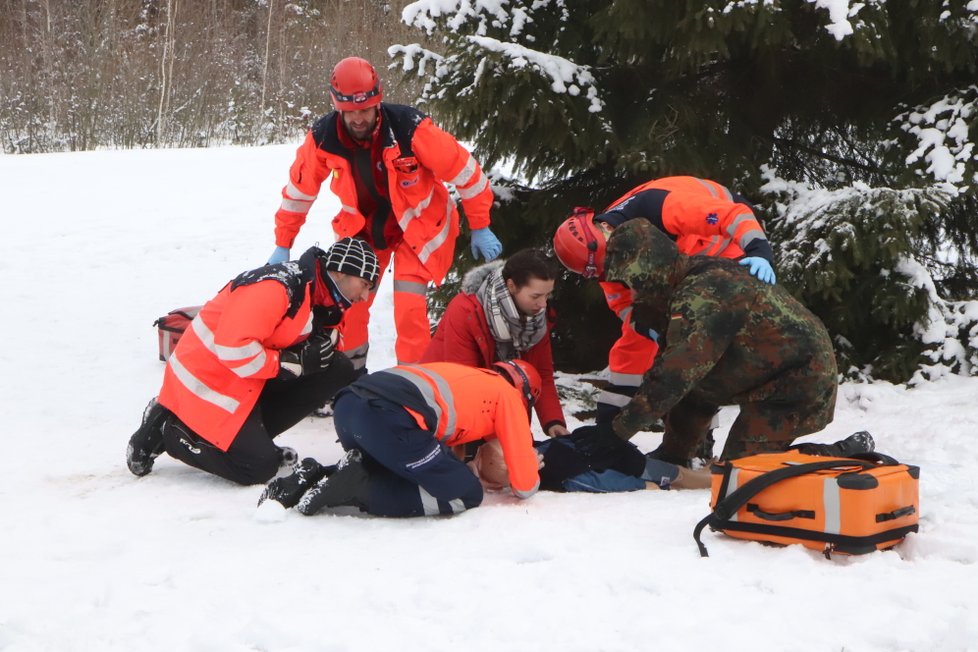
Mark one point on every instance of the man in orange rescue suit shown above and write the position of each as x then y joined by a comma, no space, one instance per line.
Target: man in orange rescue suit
397,426
701,217
257,359
388,163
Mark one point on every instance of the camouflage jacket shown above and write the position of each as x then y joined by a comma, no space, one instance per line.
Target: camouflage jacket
723,333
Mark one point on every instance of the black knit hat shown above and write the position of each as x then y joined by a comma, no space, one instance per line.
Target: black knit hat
354,257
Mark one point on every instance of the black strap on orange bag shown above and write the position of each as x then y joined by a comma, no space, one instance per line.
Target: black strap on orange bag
728,506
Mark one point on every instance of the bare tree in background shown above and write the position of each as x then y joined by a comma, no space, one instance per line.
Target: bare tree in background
166,67
79,74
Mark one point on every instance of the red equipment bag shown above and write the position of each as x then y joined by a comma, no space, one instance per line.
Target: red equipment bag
171,327
851,505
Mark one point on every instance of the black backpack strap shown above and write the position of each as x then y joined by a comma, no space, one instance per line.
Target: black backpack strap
728,506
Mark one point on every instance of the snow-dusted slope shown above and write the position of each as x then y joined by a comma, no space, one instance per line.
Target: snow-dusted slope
97,245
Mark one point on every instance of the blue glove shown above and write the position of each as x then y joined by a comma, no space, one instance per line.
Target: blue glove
760,268
486,243
280,255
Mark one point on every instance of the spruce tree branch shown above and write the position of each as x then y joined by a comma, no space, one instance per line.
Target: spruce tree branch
850,162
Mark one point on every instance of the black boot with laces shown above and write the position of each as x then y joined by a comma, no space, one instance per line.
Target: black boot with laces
288,489
146,444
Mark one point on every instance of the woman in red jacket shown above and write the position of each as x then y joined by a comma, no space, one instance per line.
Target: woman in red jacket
501,314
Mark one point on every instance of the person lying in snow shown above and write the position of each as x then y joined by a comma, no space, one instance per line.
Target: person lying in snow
515,293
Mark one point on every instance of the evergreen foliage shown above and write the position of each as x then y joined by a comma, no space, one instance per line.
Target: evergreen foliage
870,105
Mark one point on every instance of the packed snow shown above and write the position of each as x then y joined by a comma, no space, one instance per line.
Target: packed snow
97,245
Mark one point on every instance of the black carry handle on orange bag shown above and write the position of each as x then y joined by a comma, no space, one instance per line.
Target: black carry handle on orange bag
725,508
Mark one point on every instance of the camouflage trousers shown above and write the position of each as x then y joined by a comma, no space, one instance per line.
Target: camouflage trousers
796,403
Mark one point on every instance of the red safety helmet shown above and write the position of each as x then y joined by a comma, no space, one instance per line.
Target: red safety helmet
354,85
579,246
523,376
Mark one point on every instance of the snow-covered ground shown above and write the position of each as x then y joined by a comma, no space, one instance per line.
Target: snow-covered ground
97,245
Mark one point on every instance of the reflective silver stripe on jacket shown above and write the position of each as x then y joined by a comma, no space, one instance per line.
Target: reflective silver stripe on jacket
626,380
294,193
710,189
296,201
197,387
465,174
252,349
448,416
611,398
294,206
411,287
737,221
413,211
439,239
712,242
475,188
527,494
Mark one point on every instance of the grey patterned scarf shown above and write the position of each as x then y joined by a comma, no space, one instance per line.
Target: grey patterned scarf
513,331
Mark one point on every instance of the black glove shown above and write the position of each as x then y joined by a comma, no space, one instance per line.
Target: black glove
311,357
606,450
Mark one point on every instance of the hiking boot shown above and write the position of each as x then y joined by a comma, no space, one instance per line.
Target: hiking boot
287,490
854,444
324,412
146,444
704,450
347,486
287,456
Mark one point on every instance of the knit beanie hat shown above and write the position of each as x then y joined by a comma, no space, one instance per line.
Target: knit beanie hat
354,257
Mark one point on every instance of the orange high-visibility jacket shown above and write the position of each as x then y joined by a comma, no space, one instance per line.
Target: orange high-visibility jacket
421,204
220,365
705,218
459,404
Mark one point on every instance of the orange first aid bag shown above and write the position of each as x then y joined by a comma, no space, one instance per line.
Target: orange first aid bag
833,504
171,327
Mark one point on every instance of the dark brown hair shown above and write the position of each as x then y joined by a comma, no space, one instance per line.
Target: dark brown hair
527,264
